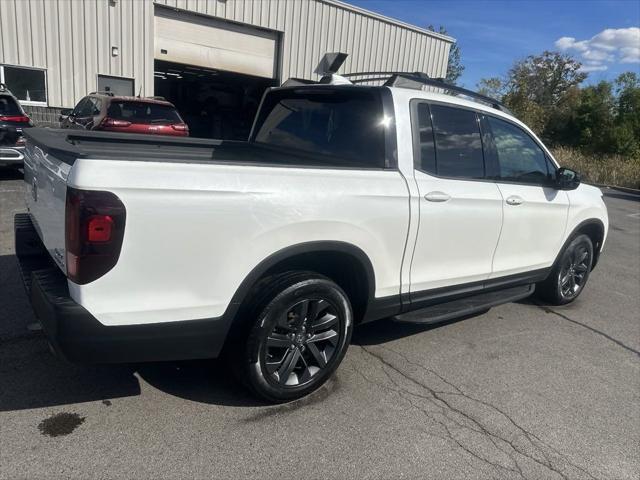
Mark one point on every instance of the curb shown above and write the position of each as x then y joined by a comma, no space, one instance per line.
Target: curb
631,191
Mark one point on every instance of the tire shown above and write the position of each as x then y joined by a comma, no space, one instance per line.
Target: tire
298,331
569,274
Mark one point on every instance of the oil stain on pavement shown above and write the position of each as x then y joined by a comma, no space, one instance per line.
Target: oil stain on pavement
60,424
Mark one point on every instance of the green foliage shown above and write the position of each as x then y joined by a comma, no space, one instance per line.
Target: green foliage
454,66
545,92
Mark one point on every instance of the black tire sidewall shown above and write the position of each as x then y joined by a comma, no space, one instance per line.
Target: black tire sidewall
311,287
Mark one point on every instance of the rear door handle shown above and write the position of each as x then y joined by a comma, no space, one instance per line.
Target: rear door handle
437,197
514,200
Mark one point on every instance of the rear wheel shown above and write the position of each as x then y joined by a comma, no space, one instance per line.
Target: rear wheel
570,273
302,324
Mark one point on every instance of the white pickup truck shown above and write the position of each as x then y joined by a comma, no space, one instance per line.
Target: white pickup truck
348,203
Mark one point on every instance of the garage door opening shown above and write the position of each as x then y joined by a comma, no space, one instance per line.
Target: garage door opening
214,71
214,103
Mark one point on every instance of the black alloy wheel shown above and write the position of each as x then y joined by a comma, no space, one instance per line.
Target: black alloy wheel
302,342
574,270
570,273
300,334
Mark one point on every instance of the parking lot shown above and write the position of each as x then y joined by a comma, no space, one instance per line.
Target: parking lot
522,391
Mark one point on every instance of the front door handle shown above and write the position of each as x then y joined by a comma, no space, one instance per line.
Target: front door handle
514,200
437,197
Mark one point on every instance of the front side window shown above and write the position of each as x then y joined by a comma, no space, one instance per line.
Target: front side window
27,84
345,127
96,105
83,108
520,159
458,143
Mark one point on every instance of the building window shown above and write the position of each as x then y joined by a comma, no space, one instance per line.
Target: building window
29,85
116,85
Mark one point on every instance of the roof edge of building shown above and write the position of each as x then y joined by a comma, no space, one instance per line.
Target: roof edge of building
384,18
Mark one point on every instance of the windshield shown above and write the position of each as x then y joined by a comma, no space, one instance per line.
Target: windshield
143,112
9,107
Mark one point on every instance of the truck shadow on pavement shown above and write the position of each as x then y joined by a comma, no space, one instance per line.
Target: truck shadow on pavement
10,174
386,330
31,377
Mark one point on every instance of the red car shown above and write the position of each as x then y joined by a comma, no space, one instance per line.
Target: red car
106,112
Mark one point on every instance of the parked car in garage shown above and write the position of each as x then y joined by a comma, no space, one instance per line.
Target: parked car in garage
13,120
347,204
107,112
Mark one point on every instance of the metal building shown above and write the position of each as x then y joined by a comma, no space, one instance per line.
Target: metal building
215,54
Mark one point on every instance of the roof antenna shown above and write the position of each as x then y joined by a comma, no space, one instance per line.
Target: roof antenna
140,91
329,64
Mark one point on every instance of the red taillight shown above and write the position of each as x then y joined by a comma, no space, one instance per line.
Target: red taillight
112,122
180,127
14,118
94,226
99,228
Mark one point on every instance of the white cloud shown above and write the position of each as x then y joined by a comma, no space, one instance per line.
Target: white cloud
593,68
610,45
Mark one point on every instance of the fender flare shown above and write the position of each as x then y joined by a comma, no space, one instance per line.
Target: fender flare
275,258
585,223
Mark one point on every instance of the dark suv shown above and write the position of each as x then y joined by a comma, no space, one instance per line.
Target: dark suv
106,112
12,121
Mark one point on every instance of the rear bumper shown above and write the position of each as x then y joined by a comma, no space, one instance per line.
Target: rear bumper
79,337
10,156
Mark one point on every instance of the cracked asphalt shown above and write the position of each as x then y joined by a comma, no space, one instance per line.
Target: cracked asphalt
522,391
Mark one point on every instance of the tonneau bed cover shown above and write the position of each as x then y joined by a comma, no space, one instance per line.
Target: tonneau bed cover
70,145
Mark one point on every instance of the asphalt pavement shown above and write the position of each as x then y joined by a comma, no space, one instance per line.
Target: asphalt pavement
522,391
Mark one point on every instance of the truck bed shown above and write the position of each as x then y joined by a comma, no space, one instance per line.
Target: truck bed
70,145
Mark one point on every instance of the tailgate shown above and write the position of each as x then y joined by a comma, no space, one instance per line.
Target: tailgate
46,187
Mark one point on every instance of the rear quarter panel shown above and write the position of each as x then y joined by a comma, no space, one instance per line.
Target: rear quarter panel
195,231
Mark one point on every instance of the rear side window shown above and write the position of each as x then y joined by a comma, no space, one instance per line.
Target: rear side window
8,106
143,112
345,127
458,143
520,158
424,151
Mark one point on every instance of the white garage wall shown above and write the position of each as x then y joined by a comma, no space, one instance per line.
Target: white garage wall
314,27
72,39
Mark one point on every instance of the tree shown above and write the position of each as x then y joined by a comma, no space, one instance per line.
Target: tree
493,87
627,125
454,65
536,86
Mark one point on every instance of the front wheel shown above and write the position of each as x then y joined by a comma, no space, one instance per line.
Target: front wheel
570,273
302,328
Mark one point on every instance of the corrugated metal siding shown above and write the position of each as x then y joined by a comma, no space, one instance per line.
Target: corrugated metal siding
72,39
312,27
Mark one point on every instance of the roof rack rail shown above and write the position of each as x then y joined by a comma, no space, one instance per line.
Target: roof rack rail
417,80
157,97
110,94
295,82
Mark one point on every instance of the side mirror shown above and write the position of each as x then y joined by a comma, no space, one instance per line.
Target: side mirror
64,113
567,179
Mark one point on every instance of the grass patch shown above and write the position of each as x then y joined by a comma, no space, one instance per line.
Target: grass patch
603,169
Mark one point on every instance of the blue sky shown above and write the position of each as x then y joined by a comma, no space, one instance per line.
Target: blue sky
494,33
